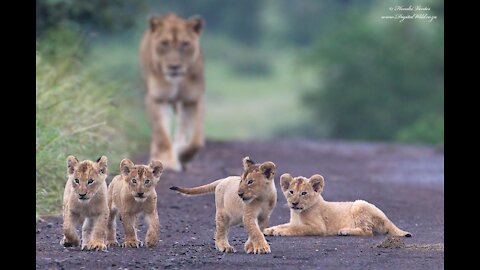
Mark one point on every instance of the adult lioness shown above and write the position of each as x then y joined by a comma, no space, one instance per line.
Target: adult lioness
172,65
310,214
248,199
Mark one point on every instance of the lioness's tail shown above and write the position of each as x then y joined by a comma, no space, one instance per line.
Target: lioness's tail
395,231
208,188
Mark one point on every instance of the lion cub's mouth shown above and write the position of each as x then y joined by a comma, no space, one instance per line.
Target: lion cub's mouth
140,199
296,208
83,199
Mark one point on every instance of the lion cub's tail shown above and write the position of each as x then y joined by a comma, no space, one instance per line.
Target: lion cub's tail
208,188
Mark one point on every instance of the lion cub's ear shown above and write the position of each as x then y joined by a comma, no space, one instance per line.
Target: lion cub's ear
285,181
197,23
157,168
317,182
126,166
268,169
154,22
102,164
247,162
72,161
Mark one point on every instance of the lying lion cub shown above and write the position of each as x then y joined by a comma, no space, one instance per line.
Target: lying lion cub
310,214
85,202
248,199
132,193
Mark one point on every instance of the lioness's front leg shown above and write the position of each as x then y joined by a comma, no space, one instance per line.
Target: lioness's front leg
131,239
97,239
70,236
190,135
161,146
153,231
256,242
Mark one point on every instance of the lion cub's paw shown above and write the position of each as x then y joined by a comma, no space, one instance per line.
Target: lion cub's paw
273,231
112,243
70,243
257,247
132,244
95,245
225,248
150,243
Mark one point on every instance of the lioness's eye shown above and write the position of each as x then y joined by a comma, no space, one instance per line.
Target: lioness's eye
250,182
304,193
134,180
77,181
147,181
291,191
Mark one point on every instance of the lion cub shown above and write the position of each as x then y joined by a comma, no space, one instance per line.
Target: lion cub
132,193
85,201
248,199
310,214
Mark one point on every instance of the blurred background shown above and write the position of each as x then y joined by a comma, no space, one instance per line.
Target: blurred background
304,69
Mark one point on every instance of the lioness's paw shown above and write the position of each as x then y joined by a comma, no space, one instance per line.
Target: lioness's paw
150,242
132,244
70,243
258,247
343,232
225,248
95,245
273,231
112,243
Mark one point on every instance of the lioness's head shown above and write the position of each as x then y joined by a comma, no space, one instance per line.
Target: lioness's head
255,179
174,43
141,179
86,177
301,192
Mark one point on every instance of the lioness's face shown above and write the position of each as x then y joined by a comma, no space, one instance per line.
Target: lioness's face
86,177
255,179
141,179
301,193
175,44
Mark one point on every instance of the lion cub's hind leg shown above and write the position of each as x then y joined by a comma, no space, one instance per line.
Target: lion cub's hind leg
222,221
87,228
112,228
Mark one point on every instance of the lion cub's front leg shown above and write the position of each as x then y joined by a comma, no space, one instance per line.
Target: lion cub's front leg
97,239
153,231
70,236
293,230
256,242
131,239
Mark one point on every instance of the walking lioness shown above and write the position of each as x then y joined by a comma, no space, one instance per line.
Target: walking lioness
248,199
172,65
310,214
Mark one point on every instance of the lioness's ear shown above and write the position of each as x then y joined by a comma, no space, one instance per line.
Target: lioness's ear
126,166
102,164
285,181
197,23
157,168
317,182
72,161
247,162
268,169
154,22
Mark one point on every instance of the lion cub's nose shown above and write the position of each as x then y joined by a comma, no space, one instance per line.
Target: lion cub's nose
294,203
240,194
174,67
82,195
140,194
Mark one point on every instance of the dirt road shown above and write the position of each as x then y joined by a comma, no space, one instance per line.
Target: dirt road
406,182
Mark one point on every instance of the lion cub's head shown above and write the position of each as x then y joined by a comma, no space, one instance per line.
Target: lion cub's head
255,180
175,43
86,177
301,192
141,179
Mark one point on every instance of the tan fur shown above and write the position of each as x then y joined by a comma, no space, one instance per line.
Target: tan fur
91,212
171,42
310,214
239,201
123,197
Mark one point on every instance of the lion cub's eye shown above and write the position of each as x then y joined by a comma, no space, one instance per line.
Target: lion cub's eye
147,181
134,180
250,182
90,181
304,193
184,44
164,44
291,191
77,181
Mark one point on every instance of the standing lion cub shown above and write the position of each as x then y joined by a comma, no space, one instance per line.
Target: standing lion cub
248,199
310,214
85,202
132,193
